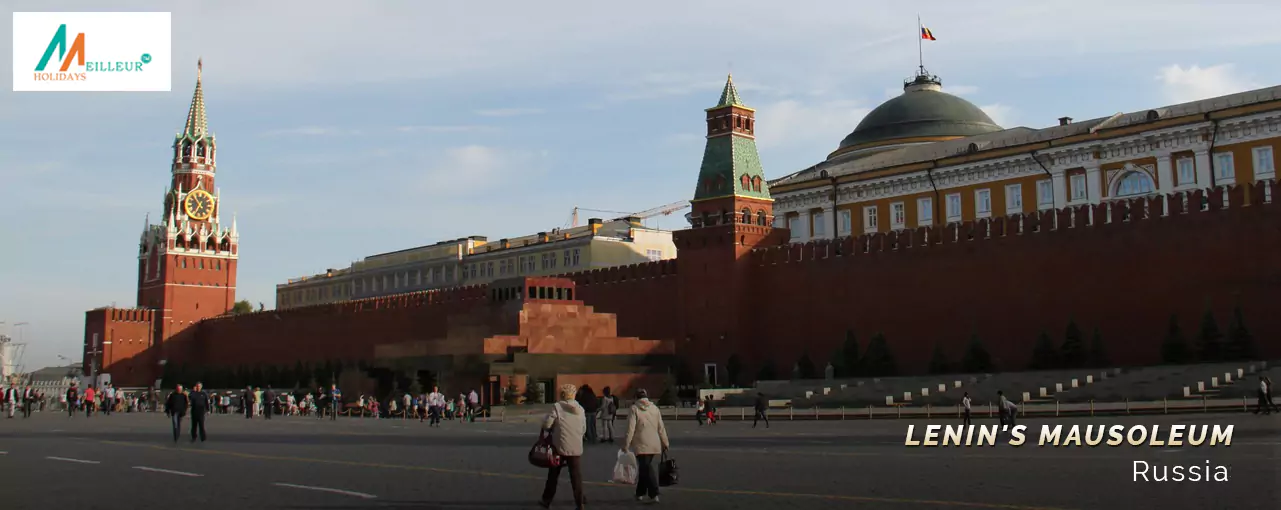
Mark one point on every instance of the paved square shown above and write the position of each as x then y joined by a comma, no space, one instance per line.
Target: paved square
128,461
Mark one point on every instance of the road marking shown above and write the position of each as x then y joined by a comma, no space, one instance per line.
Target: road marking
64,459
732,492
167,471
326,489
4,453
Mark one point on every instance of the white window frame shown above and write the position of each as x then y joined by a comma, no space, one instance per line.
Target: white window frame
1182,179
982,198
845,222
1079,191
898,216
1013,198
955,198
1045,194
794,225
924,211
819,221
871,222
1264,162
1224,173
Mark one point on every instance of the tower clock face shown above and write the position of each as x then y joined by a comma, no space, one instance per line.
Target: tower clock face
199,205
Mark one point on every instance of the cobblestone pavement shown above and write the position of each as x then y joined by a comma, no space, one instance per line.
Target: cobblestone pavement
128,461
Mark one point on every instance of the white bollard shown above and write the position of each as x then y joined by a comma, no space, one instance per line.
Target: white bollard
1187,392
1227,378
925,392
809,394
827,391
1044,392
1058,387
1089,379
1103,376
942,388
889,401
1075,384
1200,386
1214,382
1240,373
1027,396
907,396
843,386
956,384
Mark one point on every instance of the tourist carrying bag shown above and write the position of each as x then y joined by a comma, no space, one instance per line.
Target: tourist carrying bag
625,470
667,472
542,454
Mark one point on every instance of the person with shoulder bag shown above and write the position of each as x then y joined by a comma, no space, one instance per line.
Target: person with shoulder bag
647,438
566,425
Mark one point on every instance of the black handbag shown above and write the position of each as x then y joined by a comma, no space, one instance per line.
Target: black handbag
667,471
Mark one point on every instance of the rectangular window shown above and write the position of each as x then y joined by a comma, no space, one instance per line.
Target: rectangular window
1187,172
1078,187
567,258
870,223
575,256
898,215
1014,199
654,255
820,224
846,222
1264,162
1044,194
924,212
386,282
794,225
489,269
1223,171
551,259
418,277
954,207
983,203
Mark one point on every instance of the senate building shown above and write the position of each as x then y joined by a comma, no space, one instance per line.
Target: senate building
927,230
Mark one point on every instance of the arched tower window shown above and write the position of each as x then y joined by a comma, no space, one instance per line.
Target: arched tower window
747,216
756,184
186,150
747,182
212,245
707,219
180,242
760,217
200,149
1133,183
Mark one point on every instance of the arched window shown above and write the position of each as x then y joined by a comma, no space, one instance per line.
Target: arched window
747,182
747,216
200,149
760,217
756,183
707,219
738,122
1134,183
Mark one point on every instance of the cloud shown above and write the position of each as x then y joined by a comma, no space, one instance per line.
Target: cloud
1002,115
509,112
473,169
791,122
444,129
1183,84
960,90
309,131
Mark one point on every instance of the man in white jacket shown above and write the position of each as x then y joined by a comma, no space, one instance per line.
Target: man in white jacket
647,438
566,424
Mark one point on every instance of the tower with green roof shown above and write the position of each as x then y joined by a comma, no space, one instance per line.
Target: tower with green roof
731,185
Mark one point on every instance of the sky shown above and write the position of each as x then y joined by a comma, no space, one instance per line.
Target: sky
347,129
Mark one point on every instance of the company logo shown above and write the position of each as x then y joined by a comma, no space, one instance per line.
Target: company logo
76,52
91,51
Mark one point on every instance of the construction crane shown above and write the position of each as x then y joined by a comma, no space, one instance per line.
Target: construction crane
648,213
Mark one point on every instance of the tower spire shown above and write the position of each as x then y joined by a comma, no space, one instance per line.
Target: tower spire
197,125
729,96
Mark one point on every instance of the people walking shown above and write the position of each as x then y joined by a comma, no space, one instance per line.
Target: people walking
965,408
247,402
647,438
29,399
73,400
435,406
108,399
90,403
587,399
566,424
10,399
335,401
268,402
1263,406
1007,408
608,413
473,405
762,408
176,409
200,405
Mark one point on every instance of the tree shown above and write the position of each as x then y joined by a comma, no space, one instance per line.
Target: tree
767,372
846,361
805,366
878,361
1208,338
1175,349
1240,342
1072,354
416,383
668,397
733,369
242,306
1098,356
939,363
511,396
1044,357
977,360
534,392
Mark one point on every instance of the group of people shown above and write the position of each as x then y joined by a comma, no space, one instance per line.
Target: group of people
14,398
433,406
601,412
568,425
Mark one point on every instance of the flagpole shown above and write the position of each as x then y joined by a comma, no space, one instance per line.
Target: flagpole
920,44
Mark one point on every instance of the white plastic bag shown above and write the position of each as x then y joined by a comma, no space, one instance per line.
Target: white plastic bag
625,470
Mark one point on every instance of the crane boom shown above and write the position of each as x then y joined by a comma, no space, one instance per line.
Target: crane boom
648,213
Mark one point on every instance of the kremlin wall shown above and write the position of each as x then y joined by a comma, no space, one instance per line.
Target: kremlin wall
737,286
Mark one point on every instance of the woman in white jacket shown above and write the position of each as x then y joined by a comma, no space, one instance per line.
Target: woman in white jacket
646,437
566,424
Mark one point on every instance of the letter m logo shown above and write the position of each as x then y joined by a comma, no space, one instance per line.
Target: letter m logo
59,43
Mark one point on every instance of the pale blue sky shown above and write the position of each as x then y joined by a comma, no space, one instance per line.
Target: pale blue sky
351,128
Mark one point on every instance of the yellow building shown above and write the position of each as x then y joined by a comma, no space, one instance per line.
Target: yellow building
930,158
475,260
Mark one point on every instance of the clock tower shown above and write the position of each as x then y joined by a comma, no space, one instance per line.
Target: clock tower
187,262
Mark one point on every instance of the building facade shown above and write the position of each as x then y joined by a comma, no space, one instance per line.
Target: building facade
929,227
476,261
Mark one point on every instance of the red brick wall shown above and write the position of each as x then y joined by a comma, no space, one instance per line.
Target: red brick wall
644,296
623,385
124,336
1126,278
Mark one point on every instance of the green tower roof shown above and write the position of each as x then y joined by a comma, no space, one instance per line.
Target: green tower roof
729,157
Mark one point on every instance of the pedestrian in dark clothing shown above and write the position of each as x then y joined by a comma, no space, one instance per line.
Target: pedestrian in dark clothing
587,399
176,408
247,402
200,406
1265,389
268,401
762,407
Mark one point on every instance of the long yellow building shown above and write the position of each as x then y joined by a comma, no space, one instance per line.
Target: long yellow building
474,261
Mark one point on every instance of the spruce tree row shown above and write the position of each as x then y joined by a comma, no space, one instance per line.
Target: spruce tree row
1212,345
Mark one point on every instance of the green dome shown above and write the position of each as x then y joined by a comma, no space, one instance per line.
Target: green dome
923,110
